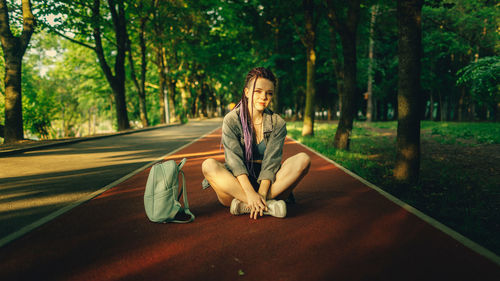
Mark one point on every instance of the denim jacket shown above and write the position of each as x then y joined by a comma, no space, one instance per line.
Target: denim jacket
234,145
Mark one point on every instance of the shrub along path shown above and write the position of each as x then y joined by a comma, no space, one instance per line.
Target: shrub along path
340,229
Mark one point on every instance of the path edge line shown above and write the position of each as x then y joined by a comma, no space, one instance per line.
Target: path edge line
435,223
30,227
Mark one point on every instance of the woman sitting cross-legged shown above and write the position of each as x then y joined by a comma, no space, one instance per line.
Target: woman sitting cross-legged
253,180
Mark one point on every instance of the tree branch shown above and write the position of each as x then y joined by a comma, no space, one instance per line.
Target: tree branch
71,39
5,32
297,29
152,85
98,42
114,14
28,24
132,68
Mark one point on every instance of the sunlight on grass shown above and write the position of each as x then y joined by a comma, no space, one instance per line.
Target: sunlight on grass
366,146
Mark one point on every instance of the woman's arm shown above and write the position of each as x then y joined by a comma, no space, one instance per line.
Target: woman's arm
254,200
264,188
233,152
273,153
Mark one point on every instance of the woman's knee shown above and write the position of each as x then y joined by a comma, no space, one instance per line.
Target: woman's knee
209,166
304,161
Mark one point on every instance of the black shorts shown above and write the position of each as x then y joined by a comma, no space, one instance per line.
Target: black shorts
255,175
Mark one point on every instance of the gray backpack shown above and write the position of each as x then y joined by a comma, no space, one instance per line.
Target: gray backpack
161,197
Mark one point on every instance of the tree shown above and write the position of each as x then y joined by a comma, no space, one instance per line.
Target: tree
455,34
167,109
82,23
140,85
409,52
116,80
309,41
369,90
14,48
347,30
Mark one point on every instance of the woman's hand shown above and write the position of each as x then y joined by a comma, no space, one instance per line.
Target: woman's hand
257,203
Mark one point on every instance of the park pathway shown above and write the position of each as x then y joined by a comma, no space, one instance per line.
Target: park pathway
340,229
36,183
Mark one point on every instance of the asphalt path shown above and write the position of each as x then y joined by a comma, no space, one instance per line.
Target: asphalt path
37,183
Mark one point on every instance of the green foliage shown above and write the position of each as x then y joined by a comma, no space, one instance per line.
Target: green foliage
483,79
456,33
38,105
210,45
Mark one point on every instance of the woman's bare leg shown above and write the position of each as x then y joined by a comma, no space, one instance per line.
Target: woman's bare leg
289,175
225,185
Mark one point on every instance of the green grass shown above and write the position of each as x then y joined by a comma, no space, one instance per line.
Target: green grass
488,133
462,196
471,133
366,145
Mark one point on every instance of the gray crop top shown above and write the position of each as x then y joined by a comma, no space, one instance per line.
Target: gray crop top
258,150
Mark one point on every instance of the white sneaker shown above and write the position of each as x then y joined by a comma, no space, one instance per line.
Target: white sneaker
238,207
276,208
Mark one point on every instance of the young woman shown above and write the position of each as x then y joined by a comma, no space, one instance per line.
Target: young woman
253,180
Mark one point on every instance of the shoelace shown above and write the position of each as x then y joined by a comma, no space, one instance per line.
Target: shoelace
246,208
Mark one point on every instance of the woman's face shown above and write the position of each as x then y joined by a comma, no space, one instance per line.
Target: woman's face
262,95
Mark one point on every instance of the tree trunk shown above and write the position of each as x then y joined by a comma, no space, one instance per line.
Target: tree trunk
116,81
309,42
174,117
443,106
163,85
204,99
473,111
347,112
140,85
14,49
369,87
13,130
183,86
407,165
144,65
276,101
308,128
496,112
347,30
337,68
431,105
158,42
171,82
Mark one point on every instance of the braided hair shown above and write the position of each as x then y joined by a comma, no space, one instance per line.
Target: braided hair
245,116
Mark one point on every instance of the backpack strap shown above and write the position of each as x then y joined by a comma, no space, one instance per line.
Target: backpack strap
184,194
181,164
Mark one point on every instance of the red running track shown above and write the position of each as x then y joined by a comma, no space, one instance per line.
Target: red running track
340,229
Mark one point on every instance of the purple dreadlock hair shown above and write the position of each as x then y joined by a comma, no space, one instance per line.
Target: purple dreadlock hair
245,116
